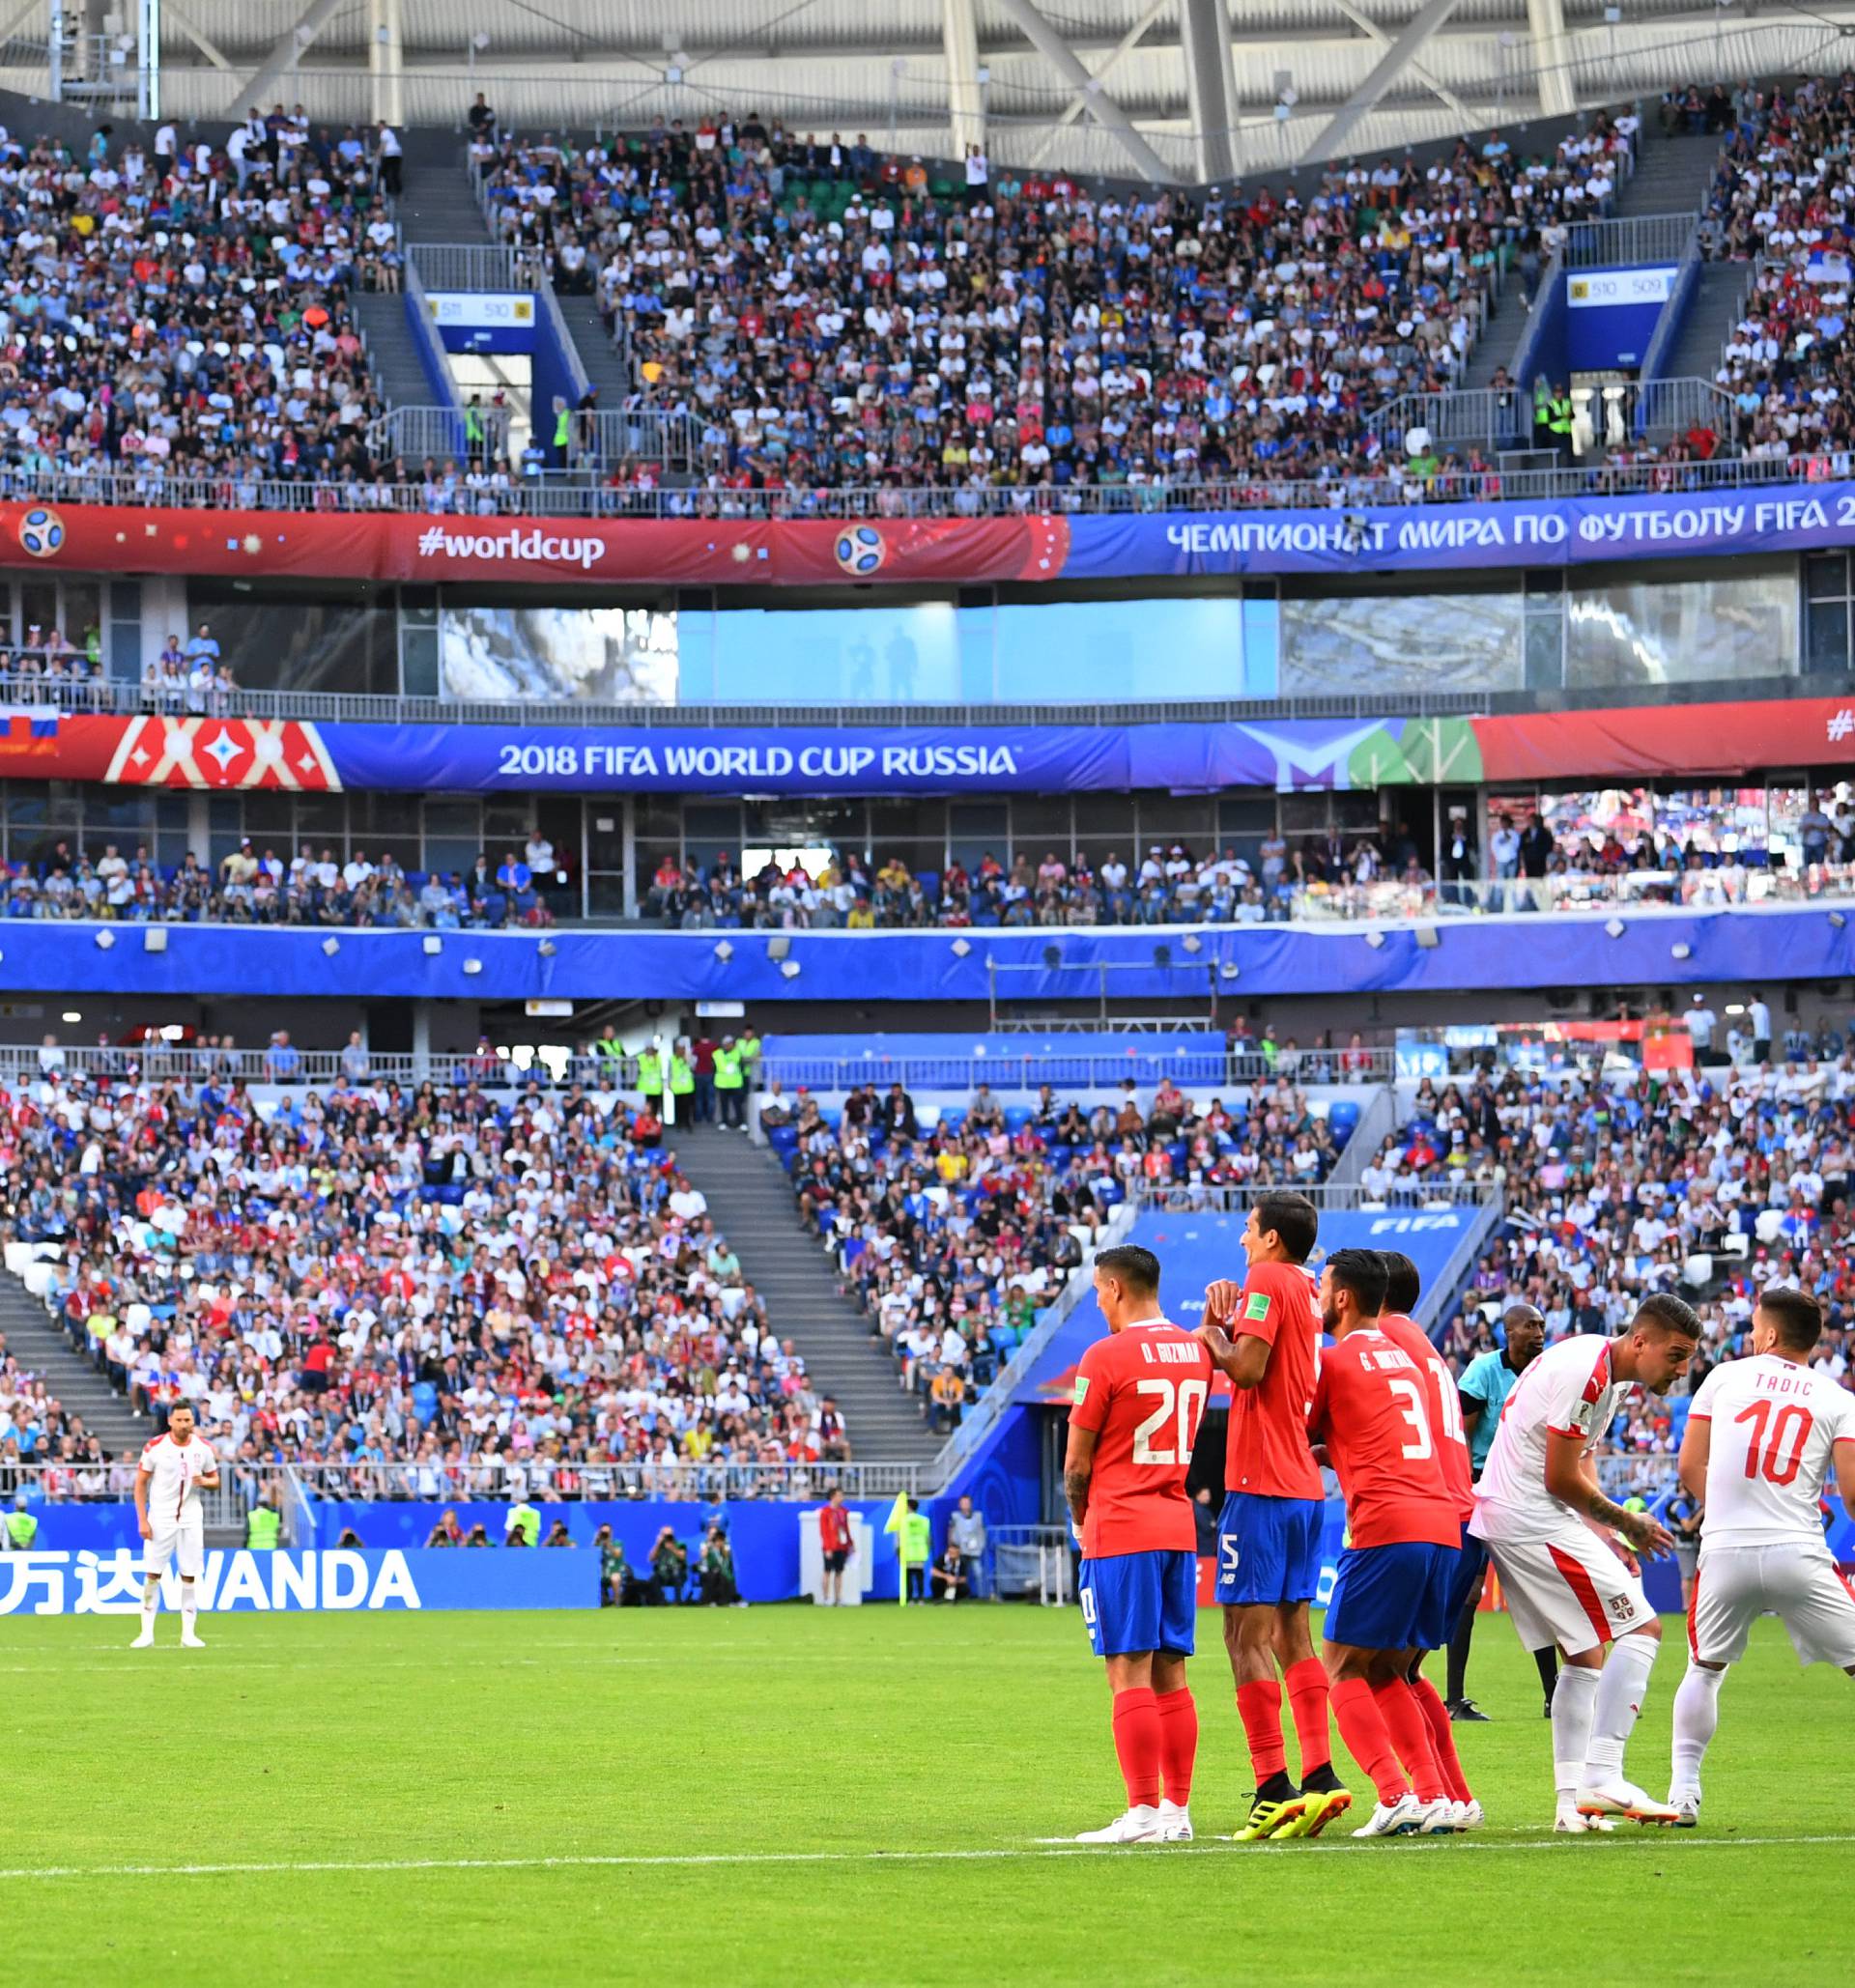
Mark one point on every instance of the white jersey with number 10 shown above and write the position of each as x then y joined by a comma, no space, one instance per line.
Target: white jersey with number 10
1775,1426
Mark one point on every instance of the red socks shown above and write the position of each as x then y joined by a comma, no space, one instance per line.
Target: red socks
1442,1735
1361,1725
1409,1732
1178,1743
1259,1706
1136,1744
1307,1689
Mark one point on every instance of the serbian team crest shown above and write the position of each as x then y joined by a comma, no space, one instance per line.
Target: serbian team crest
280,753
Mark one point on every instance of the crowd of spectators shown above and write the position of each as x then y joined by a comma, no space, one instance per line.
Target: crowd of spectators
1527,868
1781,197
184,311
952,1230
250,887
454,1296
1711,1182
832,316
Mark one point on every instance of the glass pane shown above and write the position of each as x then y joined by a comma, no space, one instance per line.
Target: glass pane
1827,649
605,834
1040,822
1104,827
802,824
453,819
869,655
506,819
1401,642
1826,576
1642,629
1546,650
918,822
1168,818
605,895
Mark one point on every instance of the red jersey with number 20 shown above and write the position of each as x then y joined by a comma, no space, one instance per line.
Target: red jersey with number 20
1372,1410
1142,1390
1445,1407
1266,1451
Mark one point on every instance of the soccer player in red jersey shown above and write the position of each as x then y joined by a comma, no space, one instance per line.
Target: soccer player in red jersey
1371,1410
1139,1396
1263,1335
1402,1288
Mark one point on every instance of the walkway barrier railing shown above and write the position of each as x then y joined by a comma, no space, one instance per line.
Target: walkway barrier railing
473,1480
583,497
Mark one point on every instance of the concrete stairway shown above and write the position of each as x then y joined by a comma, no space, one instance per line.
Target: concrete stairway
752,1204
437,203
1670,176
604,369
1712,310
1500,340
40,1348
392,352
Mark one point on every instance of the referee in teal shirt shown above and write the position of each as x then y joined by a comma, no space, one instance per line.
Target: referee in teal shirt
1485,1384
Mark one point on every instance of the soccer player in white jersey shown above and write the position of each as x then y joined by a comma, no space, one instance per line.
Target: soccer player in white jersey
1567,1576
1764,1436
173,1471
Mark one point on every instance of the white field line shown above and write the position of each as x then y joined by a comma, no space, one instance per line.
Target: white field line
1682,1843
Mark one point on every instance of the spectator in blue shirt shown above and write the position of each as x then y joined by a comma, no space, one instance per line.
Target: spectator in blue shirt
283,1060
513,874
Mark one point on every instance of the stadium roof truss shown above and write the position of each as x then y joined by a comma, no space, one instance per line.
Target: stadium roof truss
1184,91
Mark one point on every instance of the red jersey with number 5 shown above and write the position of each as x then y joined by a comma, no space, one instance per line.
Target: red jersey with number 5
1142,1390
1372,1410
1445,1407
1266,1452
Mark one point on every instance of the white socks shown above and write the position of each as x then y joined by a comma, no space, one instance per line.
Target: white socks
1696,1713
189,1608
1623,1684
150,1599
1573,1698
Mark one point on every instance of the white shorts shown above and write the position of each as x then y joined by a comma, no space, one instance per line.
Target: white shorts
182,1546
1571,1590
1738,1585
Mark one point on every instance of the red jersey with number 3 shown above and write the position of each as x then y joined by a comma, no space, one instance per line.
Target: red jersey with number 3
1445,1407
1372,1410
1142,1390
1266,1452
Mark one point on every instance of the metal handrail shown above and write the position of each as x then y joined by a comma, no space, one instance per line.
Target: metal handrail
584,498
478,266
1006,1071
474,1482
1179,1198
189,1062
425,330
62,694
1632,239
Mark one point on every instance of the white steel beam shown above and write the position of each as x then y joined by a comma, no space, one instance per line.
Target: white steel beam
1409,44
1101,106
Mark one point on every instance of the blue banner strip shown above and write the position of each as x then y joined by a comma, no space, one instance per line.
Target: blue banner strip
1807,943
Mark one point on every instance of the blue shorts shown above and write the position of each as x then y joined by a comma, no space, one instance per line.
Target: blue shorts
1392,1597
1268,1549
1470,1573
1135,1602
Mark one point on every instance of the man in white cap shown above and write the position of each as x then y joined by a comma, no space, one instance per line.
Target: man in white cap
1701,1023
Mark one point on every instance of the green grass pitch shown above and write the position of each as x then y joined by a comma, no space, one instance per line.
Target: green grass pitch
789,1795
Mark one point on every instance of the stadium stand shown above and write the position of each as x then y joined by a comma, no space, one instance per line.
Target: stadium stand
893,326
509,1296
1709,1182
951,1226
193,321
